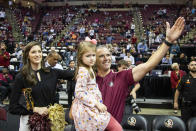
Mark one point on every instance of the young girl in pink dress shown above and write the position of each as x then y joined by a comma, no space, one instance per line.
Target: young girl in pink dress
88,111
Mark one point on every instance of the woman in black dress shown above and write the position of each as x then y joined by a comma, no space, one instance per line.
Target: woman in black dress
41,80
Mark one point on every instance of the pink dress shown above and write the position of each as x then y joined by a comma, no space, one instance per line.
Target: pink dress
86,116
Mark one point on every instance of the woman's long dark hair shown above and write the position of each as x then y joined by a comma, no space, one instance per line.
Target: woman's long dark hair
27,70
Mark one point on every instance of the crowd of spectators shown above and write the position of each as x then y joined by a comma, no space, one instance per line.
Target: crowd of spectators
116,29
26,19
189,14
5,28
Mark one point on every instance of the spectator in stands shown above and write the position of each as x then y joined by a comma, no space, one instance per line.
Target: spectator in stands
122,65
186,88
134,39
71,83
73,36
167,60
52,60
82,32
182,60
19,52
109,39
132,28
91,33
2,15
114,98
5,84
139,58
174,50
4,56
123,52
113,58
41,80
158,38
145,6
151,37
142,47
175,77
130,57
133,51
128,34
128,45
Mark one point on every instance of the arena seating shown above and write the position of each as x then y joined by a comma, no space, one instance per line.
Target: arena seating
168,123
192,124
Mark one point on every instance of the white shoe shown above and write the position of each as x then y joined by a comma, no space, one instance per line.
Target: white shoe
2,105
175,111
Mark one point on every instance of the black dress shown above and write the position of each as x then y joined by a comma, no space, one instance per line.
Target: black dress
43,92
70,87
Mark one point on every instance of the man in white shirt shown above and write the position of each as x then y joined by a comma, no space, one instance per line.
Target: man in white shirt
52,60
91,33
132,28
82,32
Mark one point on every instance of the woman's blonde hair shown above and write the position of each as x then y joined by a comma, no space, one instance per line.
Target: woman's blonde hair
84,47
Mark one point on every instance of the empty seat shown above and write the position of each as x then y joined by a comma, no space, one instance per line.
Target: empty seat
135,122
168,123
192,124
3,117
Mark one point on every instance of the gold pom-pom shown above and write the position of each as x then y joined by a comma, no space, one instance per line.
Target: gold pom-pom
57,117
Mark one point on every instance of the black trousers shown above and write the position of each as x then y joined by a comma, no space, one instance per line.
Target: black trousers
127,112
3,92
187,112
70,92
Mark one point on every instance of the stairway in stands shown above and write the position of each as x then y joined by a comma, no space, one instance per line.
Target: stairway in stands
15,28
67,28
139,31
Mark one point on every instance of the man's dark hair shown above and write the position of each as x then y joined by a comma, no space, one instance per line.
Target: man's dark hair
51,53
71,61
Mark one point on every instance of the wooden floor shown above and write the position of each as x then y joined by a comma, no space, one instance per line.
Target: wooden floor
154,111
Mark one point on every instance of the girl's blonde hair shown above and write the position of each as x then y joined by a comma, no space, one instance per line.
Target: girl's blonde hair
83,48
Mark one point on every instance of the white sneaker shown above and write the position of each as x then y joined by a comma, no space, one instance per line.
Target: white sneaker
175,111
2,105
